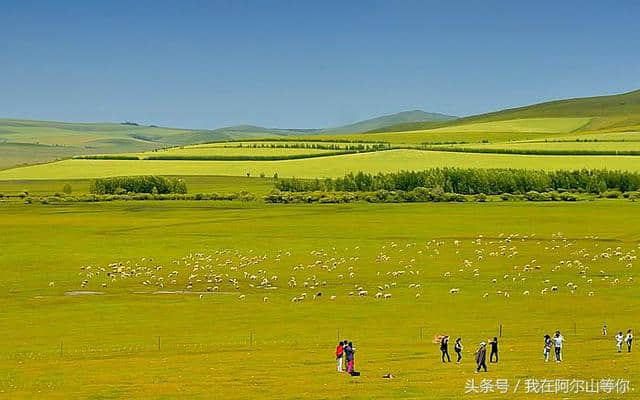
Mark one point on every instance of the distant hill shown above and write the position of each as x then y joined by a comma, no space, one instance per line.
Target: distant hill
388,120
252,131
607,112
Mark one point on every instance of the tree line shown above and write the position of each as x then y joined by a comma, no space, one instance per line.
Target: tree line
152,184
473,181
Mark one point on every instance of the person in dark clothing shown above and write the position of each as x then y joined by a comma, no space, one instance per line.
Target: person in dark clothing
481,357
444,348
349,352
547,347
458,349
494,350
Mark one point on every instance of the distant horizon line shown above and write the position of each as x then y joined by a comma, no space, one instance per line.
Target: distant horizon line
124,122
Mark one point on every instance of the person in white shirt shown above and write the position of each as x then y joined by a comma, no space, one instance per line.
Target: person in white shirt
604,329
558,340
619,340
629,340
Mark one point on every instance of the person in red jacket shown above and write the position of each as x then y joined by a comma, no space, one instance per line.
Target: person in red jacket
340,355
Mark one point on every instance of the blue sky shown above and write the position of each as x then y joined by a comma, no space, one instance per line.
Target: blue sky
305,64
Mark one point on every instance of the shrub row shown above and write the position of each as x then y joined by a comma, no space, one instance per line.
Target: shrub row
106,157
317,146
90,198
473,181
539,152
138,184
417,195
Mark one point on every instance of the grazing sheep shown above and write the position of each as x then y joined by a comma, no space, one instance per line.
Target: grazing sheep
454,291
387,295
363,293
526,293
378,295
241,297
332,297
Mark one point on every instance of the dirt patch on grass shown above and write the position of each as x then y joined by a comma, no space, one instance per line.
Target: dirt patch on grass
82,293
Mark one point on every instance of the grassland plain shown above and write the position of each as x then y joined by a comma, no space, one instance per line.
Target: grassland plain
106,346
334,166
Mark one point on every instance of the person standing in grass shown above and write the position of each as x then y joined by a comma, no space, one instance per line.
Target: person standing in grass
629,340
340,355
481,357
344,354
457,347
619,341
547,347
444,348
604,329
558,341
494,349
349,353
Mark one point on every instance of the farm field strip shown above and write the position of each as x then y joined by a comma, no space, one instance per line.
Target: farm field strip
332,166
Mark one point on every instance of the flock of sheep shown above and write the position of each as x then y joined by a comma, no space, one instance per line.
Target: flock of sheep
502,266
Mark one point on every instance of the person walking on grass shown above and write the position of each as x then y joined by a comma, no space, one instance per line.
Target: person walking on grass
629,340
604,329
619,341
457,347
558,341
494,350
444,348
547,347
481,357
340,355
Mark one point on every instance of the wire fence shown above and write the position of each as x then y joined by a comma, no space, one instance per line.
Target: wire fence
254,340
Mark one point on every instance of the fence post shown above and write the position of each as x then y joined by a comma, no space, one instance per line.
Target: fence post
251,339
500,330
61,342
421,333
158,343
338,334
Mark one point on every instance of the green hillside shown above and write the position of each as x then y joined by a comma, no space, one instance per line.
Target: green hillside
606,112
415,116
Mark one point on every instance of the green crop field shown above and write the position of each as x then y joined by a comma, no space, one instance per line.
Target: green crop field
540,125
433,136
230,151
333,166
146,333
562,146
